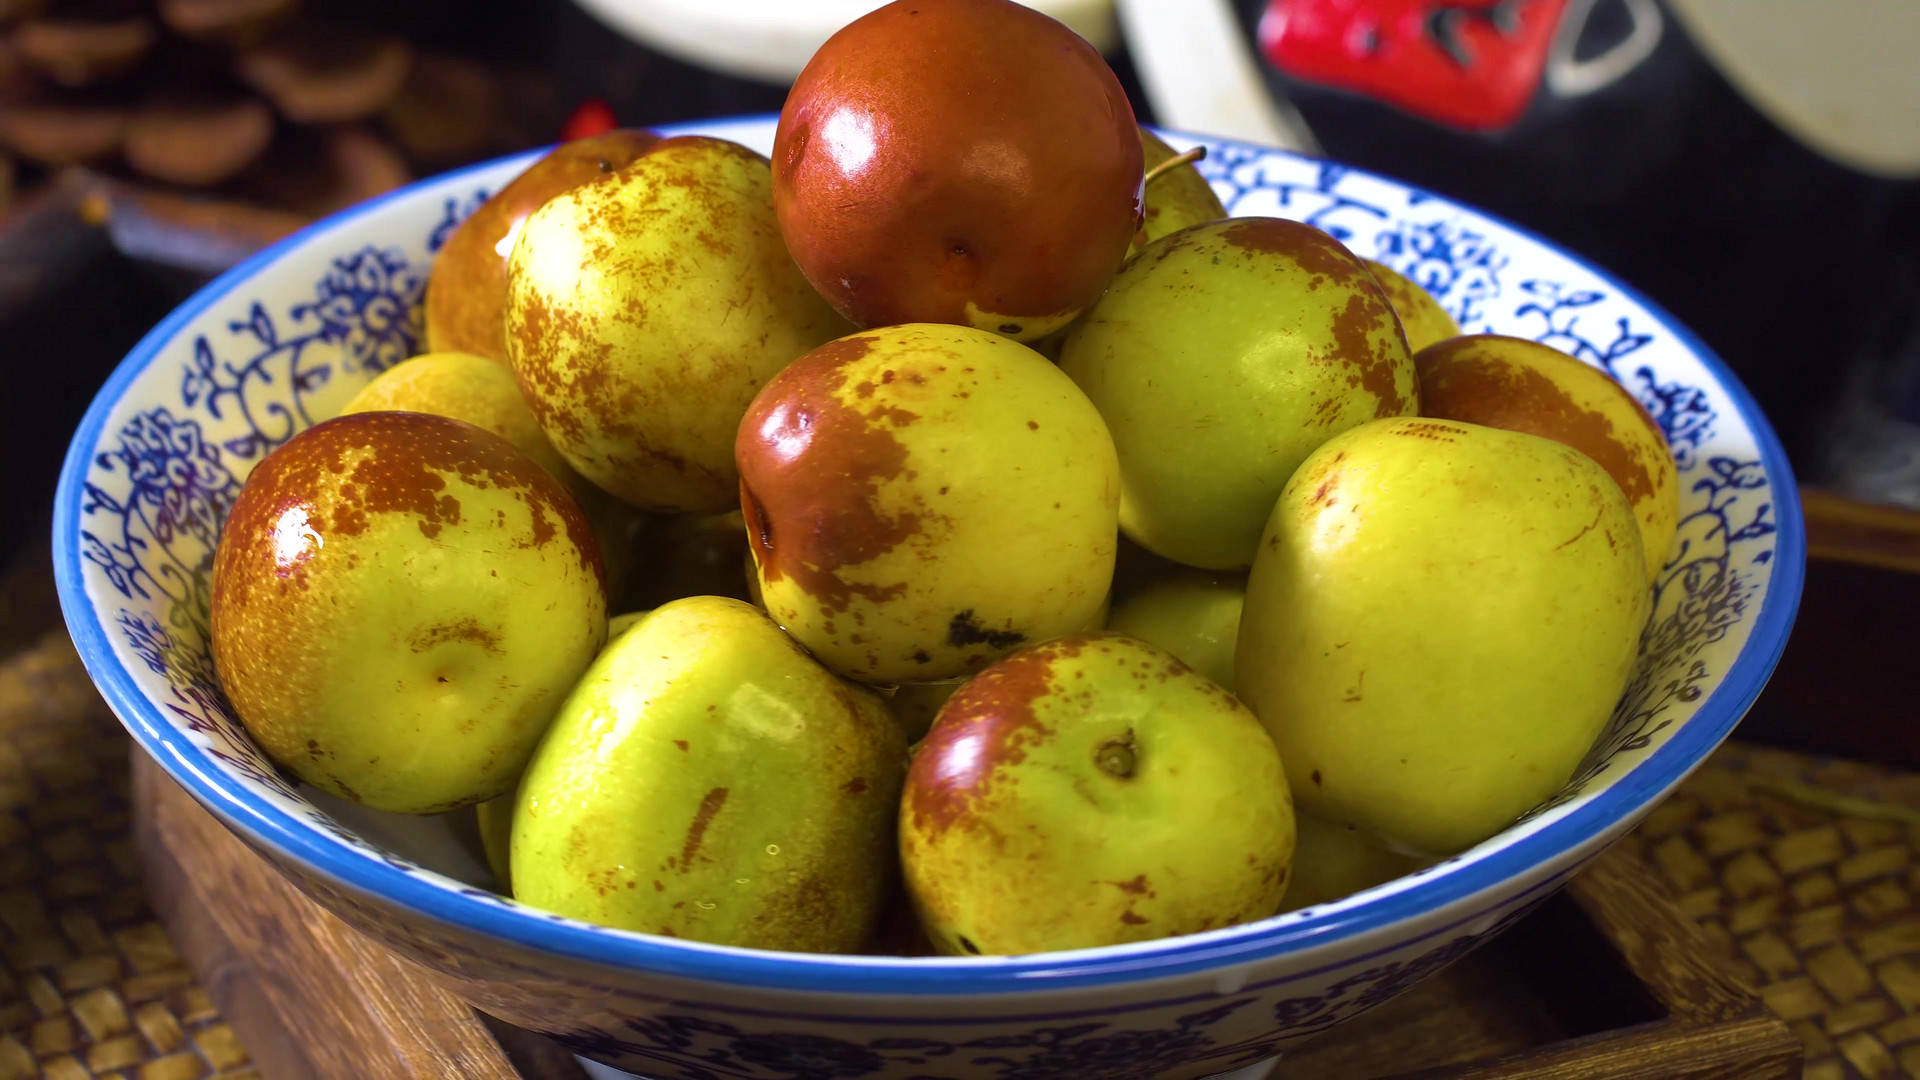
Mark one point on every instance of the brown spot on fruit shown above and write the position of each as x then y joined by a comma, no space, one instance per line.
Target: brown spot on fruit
710,805
466,292
468,630
1424,429
988,722
1311,249
964,630
854,786
1315,778
811,469
1137,885
1374,368
1507,382
682,743
1584,529
1132,919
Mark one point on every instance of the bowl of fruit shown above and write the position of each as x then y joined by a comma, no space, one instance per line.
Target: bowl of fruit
942,582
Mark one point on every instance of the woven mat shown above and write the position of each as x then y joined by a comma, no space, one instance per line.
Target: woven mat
1806,870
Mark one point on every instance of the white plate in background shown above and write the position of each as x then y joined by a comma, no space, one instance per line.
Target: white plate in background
771,40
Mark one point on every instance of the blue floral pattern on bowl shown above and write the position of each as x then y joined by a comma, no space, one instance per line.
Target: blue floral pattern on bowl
282,341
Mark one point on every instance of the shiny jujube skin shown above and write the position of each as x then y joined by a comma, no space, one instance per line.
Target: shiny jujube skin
923,499
709,780
1421,316
1521,385
1221,357
1441,619
400,603
1193,615
1092,791
466,300
961,161
646,308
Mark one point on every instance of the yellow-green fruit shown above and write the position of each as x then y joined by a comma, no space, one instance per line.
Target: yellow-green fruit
400,603
466,387
1522,385
1091,791
1174,199
923,499
1331,862
467,284
495,816
1421,316
495,819
646,308
1441,618
708,780
483,393
1220,357
1192,615
620,624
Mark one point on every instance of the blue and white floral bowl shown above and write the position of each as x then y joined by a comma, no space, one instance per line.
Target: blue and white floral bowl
283,340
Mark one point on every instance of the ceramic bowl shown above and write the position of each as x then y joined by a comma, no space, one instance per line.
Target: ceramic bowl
283,340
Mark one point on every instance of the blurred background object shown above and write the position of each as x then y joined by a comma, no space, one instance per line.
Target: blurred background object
1199,74
771,40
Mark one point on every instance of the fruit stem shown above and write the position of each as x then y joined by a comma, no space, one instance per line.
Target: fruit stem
1115,756
1198,153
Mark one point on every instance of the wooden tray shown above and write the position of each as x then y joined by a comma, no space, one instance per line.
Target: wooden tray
1610,980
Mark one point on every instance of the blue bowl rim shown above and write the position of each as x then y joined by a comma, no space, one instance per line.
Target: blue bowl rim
1622,801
